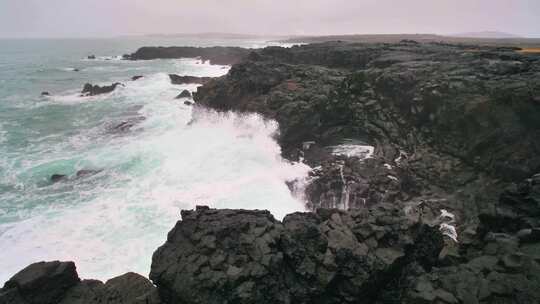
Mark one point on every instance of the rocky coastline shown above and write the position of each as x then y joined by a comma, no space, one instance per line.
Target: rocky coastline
425,188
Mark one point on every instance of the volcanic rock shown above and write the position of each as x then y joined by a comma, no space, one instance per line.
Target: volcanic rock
58,283
58,177
216,55
40,283
241,256
455,123
176,79
92,90
184,94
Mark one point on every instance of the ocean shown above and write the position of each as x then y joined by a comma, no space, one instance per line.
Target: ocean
112,221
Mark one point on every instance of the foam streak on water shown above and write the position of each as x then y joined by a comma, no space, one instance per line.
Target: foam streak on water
112,222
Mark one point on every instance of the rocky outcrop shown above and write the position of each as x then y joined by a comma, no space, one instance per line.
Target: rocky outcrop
184,94
136,77
177,79
498,262
241,256
451,124
386,253
58,283
92,90
126,125
84,173
40,283
216,55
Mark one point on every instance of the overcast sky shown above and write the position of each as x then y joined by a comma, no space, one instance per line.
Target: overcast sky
94,18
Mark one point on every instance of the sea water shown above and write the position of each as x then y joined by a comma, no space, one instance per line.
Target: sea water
111,222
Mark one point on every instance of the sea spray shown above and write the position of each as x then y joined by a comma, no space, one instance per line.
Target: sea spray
112,222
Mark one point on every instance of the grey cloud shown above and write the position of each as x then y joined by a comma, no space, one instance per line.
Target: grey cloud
83,18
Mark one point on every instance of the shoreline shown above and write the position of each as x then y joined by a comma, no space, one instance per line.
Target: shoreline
452,128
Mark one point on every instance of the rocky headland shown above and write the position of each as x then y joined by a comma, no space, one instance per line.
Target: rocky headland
425,188
215,55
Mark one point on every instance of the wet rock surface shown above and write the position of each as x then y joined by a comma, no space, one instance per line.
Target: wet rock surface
80,174
184,94
92,90
58,282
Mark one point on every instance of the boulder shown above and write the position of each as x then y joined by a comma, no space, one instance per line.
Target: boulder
58,283
184,94
127,124
92,90
55,178
86,173
91,57
45,93
58,178
42,283
134,78
130,288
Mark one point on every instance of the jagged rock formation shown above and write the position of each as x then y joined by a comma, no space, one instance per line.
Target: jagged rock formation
216,55
184,94
92,90
240,256
58,282
446,209
381,254
450,124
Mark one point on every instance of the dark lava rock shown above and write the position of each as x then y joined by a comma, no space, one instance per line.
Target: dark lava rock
55,178
240,256
216,55
58,283
86,173
127,124
92,90
58,178
91,57
45,93
134,78
176,79
454,122
184,94
188,103
40,283
126,289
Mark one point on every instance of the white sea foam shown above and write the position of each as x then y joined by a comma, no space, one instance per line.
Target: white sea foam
111,223
353,150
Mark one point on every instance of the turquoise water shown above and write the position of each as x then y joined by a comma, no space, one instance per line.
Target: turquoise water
111,222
